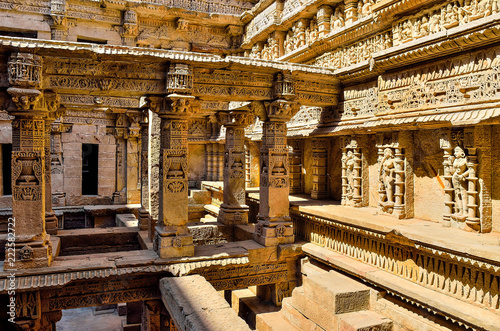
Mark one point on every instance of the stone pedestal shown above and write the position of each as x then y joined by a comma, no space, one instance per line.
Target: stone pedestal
274,224
172,238
234,210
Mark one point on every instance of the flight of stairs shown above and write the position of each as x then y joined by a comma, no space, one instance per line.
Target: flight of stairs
325,301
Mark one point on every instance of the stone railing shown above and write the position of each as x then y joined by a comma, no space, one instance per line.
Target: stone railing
455,274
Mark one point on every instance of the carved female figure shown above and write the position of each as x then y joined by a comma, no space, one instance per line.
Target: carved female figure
460,172
350,162
434,23
386,174
337,20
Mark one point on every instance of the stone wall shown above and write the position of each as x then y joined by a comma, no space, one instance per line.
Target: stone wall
72,161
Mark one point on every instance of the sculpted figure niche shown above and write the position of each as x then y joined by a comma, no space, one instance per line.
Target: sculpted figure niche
337,20
460,180
460,172
352,173
387,179
392,175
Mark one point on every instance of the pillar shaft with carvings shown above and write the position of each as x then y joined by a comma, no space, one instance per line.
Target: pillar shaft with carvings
319,168
172,238
144,218
32,247
234,209
120,194
52,101
274,225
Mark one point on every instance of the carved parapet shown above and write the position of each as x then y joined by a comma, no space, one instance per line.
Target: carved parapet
179,78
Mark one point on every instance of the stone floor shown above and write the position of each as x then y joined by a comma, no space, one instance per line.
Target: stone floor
83,319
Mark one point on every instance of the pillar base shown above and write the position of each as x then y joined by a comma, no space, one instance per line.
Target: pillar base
173,241
273,233
51,223
119,198
143,219
31,254
233,215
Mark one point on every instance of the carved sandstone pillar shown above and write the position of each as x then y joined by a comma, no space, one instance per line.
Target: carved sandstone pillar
133,135
172,236
274,224
234,210
351,11
144,222
58,21
32,247
319,168
120,196
323,16
52,101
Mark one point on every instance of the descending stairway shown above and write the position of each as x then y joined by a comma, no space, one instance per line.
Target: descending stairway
325,301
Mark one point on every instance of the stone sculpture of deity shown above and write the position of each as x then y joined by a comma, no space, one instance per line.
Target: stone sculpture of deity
350,163
387,176
460,171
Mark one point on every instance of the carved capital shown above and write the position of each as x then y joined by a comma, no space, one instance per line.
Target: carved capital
53,104
282,110
25,70
24,101
238,118
179,78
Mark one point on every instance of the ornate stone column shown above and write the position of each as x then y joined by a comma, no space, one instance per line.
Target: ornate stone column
52,101
323,16
144,211
319,168
234,210
130,28
59,22
120,195
172,238
295,151
133,135
274,224
351,11
32,247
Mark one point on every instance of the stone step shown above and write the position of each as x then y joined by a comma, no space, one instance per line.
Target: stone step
337,293
273,322
312,310
296,318
308,269
364,321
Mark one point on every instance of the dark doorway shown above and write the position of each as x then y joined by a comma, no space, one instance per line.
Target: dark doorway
90,164
6,168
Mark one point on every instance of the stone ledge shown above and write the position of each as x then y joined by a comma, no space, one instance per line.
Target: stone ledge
195,305
438,302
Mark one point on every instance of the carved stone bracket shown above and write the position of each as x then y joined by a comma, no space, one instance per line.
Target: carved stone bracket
180,78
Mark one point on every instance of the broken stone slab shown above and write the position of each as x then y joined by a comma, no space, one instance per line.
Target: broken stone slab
338,294
195,305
